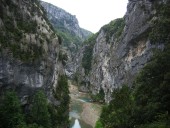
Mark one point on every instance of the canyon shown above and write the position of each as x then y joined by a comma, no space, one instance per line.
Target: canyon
81,74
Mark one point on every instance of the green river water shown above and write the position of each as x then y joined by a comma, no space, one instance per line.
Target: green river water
81,109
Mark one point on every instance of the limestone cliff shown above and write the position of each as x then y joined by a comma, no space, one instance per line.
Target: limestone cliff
120,49
29,50
67,27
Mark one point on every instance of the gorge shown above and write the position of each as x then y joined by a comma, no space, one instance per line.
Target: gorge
55,74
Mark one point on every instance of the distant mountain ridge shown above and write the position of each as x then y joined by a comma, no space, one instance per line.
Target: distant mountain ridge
66,25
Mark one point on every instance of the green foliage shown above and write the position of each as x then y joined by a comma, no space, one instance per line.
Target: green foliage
87,58
63,57
155,125
152,84
150,106
17,24
99,97
47,115
118,113
33,126
40,115
114,28
151,96
27,26
39,110
53,116
29,126
98,124
24,22
11,40
61,94
60,39
44,15
1,10
11,34
62,90
160,31
68,39
153,89
76,78
33,52
91,39
147,105
10,111
88,53
11,115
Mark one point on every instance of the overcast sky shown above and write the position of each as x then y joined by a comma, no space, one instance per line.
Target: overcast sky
93,14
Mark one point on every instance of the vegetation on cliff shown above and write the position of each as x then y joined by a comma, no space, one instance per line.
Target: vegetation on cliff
66,25
20,30
99,97
61,94
114,28
88,53
39,114
146,103
10,111
70,41
12,115
26,36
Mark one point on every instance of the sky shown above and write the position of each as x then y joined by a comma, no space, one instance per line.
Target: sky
93,14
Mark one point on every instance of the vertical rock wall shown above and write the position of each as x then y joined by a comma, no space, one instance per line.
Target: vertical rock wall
39,67
117,60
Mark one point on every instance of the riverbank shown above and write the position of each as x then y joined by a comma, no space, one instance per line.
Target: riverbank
91,113
81,108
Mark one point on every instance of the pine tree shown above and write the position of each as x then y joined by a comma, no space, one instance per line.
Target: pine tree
10,111
39,110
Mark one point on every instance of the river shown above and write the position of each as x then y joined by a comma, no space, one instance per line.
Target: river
83,113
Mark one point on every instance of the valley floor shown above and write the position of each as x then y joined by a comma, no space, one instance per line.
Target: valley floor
82,109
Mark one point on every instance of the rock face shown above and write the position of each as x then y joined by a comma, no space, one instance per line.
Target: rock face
118,55
29,50
67,26
61,18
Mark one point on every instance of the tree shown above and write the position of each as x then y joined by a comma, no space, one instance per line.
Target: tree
61,94
152,90
120,110
98,124
99,97
39,110
53,116
10,111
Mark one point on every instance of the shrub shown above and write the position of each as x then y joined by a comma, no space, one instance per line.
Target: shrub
88,53
63,57
98,124
61,94
118,113
10,111
114,28
99,97
39,110
160,30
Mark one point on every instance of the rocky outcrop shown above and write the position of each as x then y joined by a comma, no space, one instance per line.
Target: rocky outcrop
119,54
29,50
68,28
64,20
